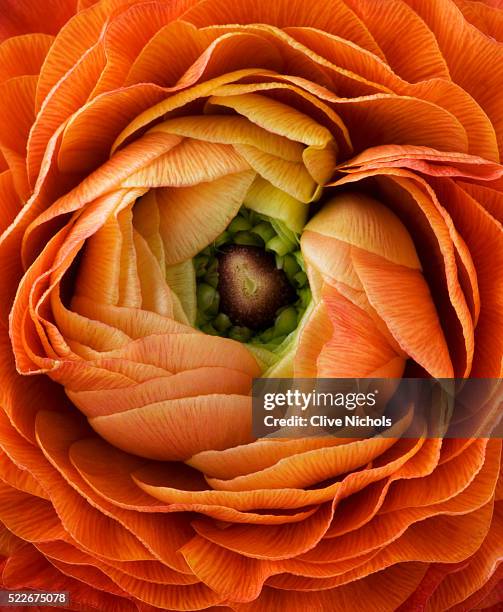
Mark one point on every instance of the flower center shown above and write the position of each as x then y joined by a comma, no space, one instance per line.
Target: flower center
251,287
251,284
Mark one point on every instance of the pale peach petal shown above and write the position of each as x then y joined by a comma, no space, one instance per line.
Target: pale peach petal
100,282
136,324
192,217
365,223
91,333
190,163
424,214
316,333
195,382
233,130
166,430
155,295
104,182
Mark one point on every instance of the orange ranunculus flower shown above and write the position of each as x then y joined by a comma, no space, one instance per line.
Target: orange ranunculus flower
150,152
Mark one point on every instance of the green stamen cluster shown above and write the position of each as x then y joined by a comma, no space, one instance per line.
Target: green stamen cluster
251,229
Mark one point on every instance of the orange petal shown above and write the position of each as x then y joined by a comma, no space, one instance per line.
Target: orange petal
402,298
28,569
449,26
126,35
482,234
316,333
308,468
414,54
184,489
368,592
165,430
10,203
425,160
23,19
456,588
425,216
270,542
487,19
179,41
116,485
336,18
23,54
62,101
149,536
16,118
256,456
357,345
80,34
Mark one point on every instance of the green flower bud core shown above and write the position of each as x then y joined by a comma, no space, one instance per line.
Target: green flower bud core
251,283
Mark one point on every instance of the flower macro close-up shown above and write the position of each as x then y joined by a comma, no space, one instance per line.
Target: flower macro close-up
198,193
